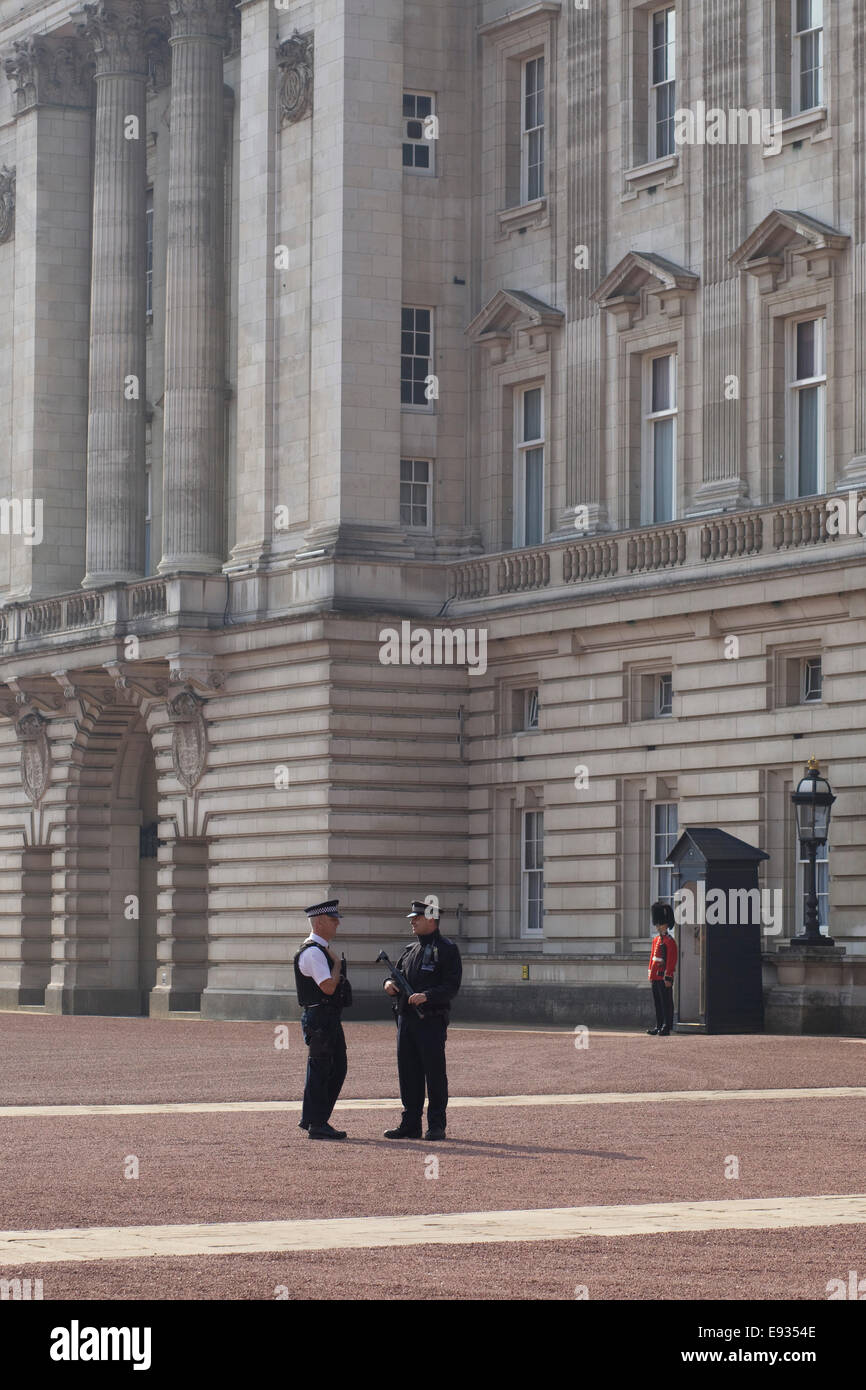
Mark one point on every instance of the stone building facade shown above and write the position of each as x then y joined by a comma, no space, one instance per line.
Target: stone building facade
328,327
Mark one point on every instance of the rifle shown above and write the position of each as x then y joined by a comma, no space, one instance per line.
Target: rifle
400,980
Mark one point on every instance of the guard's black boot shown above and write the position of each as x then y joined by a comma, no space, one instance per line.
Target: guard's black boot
403,1131
664,1032
652,1032
435,1134
326,1132
303,1124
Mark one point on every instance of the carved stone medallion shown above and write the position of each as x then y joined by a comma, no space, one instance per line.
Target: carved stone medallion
35,755
7,203
295,61
189,738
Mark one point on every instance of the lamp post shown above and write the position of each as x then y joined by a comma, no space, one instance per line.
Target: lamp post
812,801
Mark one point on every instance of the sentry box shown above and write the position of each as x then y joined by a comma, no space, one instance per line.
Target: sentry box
720,914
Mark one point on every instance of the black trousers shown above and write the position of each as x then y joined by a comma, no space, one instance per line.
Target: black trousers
326,1063
420,1060
663,998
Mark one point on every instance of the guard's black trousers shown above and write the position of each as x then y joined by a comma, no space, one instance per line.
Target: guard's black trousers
420,1059
663,998
326,1063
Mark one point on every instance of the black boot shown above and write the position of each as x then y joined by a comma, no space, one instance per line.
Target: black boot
404,1131
326,1132
435,1134
653,1031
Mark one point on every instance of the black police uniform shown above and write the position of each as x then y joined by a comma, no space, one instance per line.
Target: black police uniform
432,965
323,1034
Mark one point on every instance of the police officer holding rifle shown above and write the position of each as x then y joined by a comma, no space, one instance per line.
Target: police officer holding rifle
423,983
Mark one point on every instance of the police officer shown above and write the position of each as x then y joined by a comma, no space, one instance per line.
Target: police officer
433,968
323,993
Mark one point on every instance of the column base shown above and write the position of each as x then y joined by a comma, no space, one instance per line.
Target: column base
719,495
853,474
89,999
190,564
110,581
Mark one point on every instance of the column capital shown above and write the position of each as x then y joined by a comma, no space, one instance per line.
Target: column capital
49,71
205,19
115,33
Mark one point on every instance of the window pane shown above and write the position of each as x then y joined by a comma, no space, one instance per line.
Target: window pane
534,489
422,157
423,106
663,470
809,402
661,384
806,354
531,414
408,104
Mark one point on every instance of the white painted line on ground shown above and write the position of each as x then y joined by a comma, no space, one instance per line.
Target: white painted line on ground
454,1228
206,1107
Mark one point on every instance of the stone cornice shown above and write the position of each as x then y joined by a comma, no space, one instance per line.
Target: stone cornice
49,71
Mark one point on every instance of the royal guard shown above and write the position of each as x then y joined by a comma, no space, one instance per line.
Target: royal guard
663,963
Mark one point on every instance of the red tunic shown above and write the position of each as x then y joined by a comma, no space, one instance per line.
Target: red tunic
663,962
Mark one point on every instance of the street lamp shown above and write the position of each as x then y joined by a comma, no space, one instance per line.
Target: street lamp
812,801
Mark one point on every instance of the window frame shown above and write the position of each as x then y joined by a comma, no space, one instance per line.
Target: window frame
797,69
653,87
659,711
148,255
148,519
415,407
794,388
530,702
413,483
822,877
657,869
531,876
522,447
805,665
423,142
649,419
527,131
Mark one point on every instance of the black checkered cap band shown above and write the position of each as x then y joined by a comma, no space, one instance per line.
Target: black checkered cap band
420,910
331,909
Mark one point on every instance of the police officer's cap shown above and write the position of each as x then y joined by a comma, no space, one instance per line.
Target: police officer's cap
662,913
420,910
330,909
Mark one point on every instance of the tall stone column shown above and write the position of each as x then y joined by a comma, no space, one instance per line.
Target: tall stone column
193,449
115,435
854,474
722,485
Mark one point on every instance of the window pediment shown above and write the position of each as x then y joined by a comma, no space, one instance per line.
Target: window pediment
514,319
640,273
786,236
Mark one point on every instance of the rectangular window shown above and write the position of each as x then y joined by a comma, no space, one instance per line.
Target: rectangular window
532,131
148,253
416,357
415,494
532,874
662,81
419,125
665,833
664,695
822,887
812,683
148,517
806,408
529,468
808,75
660,439
530,709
